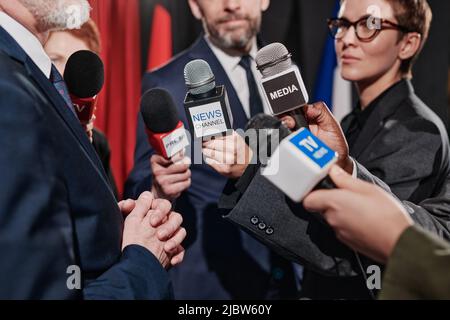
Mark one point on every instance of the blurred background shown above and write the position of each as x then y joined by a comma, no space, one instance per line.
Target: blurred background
140,35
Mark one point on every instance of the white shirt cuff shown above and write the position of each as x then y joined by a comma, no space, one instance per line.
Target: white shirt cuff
355,169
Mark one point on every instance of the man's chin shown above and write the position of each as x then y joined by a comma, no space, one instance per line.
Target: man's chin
237,40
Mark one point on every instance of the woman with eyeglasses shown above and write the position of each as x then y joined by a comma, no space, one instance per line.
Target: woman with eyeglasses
391,132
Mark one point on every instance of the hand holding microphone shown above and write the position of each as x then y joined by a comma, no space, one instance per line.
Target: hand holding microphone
364,216
324,126
228,155
231,155
170,177
166,134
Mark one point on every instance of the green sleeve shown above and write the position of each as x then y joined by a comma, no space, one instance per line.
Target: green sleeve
419,268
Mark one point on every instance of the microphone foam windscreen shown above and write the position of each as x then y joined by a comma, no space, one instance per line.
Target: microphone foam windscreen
264,121
159,111
266,126
84,74
199,77
270,54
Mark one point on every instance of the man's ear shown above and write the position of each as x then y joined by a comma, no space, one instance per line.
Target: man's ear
410,45
265,5
195,9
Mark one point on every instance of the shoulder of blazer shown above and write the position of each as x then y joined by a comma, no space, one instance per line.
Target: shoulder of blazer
10,47
43,85
180,60
415,114
164,76
400,108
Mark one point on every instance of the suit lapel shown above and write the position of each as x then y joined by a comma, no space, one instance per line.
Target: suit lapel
63,110
385,107
201,50
10,47
372,127
345,123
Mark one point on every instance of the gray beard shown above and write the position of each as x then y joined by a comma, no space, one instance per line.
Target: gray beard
227,42
54,15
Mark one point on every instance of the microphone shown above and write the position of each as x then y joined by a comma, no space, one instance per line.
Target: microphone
269,132
166,133
264,121
84,76
206,105
305,166
282,82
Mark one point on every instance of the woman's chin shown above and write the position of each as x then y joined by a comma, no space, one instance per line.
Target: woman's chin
350,74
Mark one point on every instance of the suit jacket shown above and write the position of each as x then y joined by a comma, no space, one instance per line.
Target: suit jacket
222,262
417,253
101,146
56,208
405,144
393,136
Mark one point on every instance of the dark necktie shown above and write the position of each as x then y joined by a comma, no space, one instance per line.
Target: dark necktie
256,105
60,85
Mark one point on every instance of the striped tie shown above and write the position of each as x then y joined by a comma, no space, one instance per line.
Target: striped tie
60,85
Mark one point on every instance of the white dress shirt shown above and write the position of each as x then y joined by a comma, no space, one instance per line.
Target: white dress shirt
238,76
28,42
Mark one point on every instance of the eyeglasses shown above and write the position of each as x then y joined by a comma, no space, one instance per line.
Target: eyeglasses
366,28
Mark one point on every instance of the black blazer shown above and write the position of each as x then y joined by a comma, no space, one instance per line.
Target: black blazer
405,144
101,146
56,207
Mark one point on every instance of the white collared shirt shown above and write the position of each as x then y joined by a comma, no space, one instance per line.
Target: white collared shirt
28,42
238,75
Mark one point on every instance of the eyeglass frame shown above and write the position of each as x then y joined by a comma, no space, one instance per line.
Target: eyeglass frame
393,26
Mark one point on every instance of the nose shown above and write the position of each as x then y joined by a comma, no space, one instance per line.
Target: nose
349,38
232,5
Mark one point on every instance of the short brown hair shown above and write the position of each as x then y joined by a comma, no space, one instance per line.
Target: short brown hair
416,16
89,34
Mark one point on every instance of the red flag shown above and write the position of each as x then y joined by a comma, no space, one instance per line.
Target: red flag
160,49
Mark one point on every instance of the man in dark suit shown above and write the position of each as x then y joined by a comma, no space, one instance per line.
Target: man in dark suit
62,234
222,261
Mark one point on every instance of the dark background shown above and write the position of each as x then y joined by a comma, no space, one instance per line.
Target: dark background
301,26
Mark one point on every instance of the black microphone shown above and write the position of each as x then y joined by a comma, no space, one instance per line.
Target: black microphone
165,131
270,131
206,105
282,83
84,76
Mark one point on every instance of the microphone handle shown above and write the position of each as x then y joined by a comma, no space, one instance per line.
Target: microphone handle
299,117
300,122
326,184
